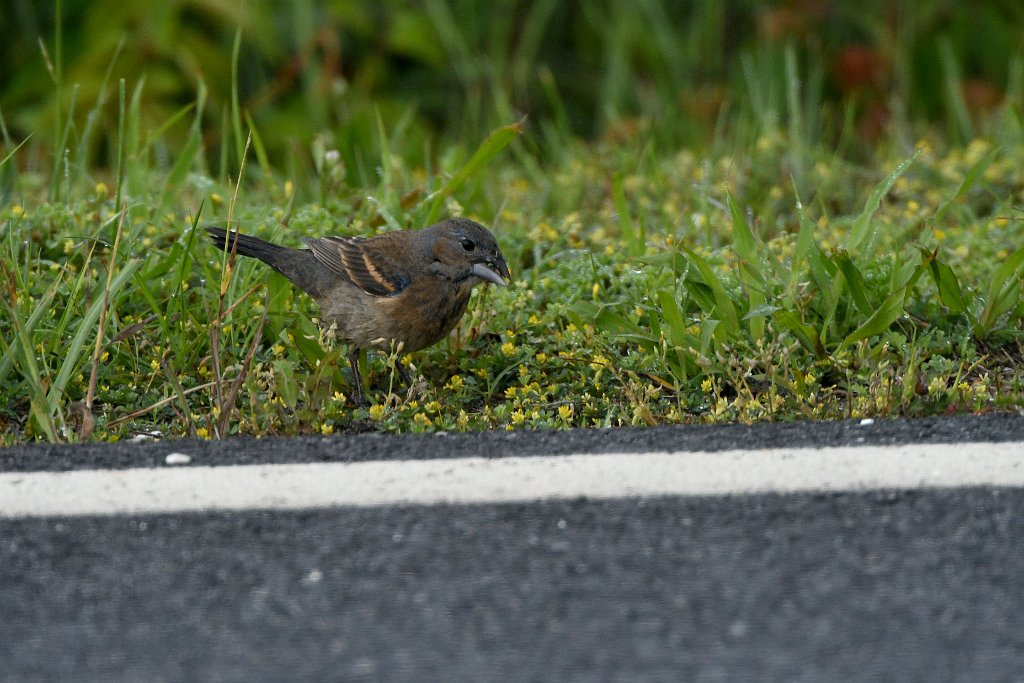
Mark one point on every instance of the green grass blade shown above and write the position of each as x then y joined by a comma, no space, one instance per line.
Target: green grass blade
968,181
634,242
822,271
862,232
154,136
950,293
881,320
386,186
24,355
804,240
797,134
133,124
121,144
804,333
60,161
854,281
236,118
183,164
724,307
672,314
3,162
258,147
42,308
86,327
1002,294
497,141
742,238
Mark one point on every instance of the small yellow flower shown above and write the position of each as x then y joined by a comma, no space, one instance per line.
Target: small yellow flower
216,198
421,419
533,320
565,412
707,385
101,189
203,433
508,349
289,188
326,429
510,393
455,383
17,211
541,358
154,364
69,245
518,417
721,406
278,349
377,412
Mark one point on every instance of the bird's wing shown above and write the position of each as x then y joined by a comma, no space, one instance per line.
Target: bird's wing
365,264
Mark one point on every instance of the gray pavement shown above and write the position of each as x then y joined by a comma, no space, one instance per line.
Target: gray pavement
905,585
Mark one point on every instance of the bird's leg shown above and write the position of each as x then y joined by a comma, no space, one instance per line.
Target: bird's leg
403,372
353,360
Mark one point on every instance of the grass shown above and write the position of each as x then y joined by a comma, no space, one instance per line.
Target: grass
649,288
781,270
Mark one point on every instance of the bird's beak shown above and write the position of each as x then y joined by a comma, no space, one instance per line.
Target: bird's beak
487,272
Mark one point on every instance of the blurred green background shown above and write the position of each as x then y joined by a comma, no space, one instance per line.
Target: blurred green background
448,69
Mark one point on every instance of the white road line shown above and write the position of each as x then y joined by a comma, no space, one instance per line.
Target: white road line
482,480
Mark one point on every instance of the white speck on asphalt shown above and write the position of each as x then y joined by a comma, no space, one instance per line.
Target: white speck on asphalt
177,459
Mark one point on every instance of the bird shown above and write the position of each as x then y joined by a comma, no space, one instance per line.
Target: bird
400,291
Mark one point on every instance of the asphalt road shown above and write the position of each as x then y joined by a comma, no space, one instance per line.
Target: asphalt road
905,585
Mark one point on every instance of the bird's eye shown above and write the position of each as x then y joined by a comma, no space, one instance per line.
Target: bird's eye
468,245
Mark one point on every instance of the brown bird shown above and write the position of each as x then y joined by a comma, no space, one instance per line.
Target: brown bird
399,290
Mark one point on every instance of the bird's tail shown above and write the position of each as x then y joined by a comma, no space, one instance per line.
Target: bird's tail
246,245
298,265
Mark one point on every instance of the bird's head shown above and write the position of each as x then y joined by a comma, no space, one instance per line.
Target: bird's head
464,250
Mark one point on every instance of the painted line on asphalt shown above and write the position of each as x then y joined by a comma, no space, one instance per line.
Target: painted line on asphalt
513,479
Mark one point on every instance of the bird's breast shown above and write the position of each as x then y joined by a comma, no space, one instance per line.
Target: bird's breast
421,315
